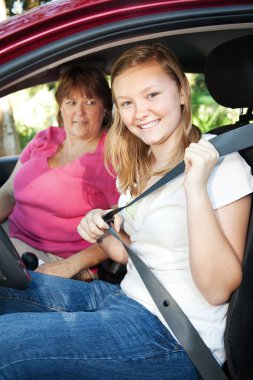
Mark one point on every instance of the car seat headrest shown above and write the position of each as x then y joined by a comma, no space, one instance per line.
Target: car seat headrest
229,73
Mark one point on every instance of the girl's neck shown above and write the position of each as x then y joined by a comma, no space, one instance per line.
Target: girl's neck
162,154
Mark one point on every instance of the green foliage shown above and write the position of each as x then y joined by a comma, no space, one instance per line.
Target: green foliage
25,134
34,109
206,113
14,7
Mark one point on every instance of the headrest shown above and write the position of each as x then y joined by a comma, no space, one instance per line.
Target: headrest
229,73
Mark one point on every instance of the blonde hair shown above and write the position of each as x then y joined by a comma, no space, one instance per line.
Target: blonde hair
87,79
127,154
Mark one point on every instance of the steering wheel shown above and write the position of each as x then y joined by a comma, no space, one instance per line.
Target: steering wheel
13,272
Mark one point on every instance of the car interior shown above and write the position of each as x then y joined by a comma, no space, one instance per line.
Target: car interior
227,63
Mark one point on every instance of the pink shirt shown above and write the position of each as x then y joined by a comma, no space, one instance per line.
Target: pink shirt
50,202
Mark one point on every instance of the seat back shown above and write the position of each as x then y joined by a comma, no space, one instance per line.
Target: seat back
229,78
7,165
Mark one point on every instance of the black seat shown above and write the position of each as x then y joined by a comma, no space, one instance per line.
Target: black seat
7,165
229,78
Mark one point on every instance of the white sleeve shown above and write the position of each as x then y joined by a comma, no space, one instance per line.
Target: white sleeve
230,180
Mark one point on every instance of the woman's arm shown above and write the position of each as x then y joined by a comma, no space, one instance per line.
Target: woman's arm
7,200
217,238
108,247
85,259
69,267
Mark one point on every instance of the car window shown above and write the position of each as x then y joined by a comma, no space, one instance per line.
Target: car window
206,113
34,109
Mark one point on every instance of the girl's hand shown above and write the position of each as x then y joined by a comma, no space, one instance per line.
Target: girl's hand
92,227
200,159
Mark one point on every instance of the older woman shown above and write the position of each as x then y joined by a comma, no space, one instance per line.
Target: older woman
61,175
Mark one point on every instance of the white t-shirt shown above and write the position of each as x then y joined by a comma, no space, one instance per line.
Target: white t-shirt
158,231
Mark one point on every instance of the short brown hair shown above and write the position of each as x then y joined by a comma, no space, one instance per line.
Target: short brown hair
88,79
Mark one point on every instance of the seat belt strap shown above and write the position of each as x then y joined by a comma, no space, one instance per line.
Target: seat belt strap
176,319
229,142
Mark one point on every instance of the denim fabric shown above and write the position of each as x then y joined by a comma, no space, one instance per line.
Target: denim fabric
64,329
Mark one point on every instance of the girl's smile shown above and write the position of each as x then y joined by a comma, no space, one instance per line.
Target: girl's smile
148,125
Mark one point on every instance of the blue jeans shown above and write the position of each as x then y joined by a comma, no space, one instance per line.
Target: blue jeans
65,329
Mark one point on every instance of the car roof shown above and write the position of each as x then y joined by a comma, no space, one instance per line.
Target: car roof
36,44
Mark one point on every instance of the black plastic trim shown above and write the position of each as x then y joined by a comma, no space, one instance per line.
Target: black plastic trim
113,32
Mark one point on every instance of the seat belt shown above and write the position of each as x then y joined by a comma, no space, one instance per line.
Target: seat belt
176,319
228,142
180,325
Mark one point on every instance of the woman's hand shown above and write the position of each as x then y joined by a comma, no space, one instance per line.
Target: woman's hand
61,268
92,227
200,159
79,262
